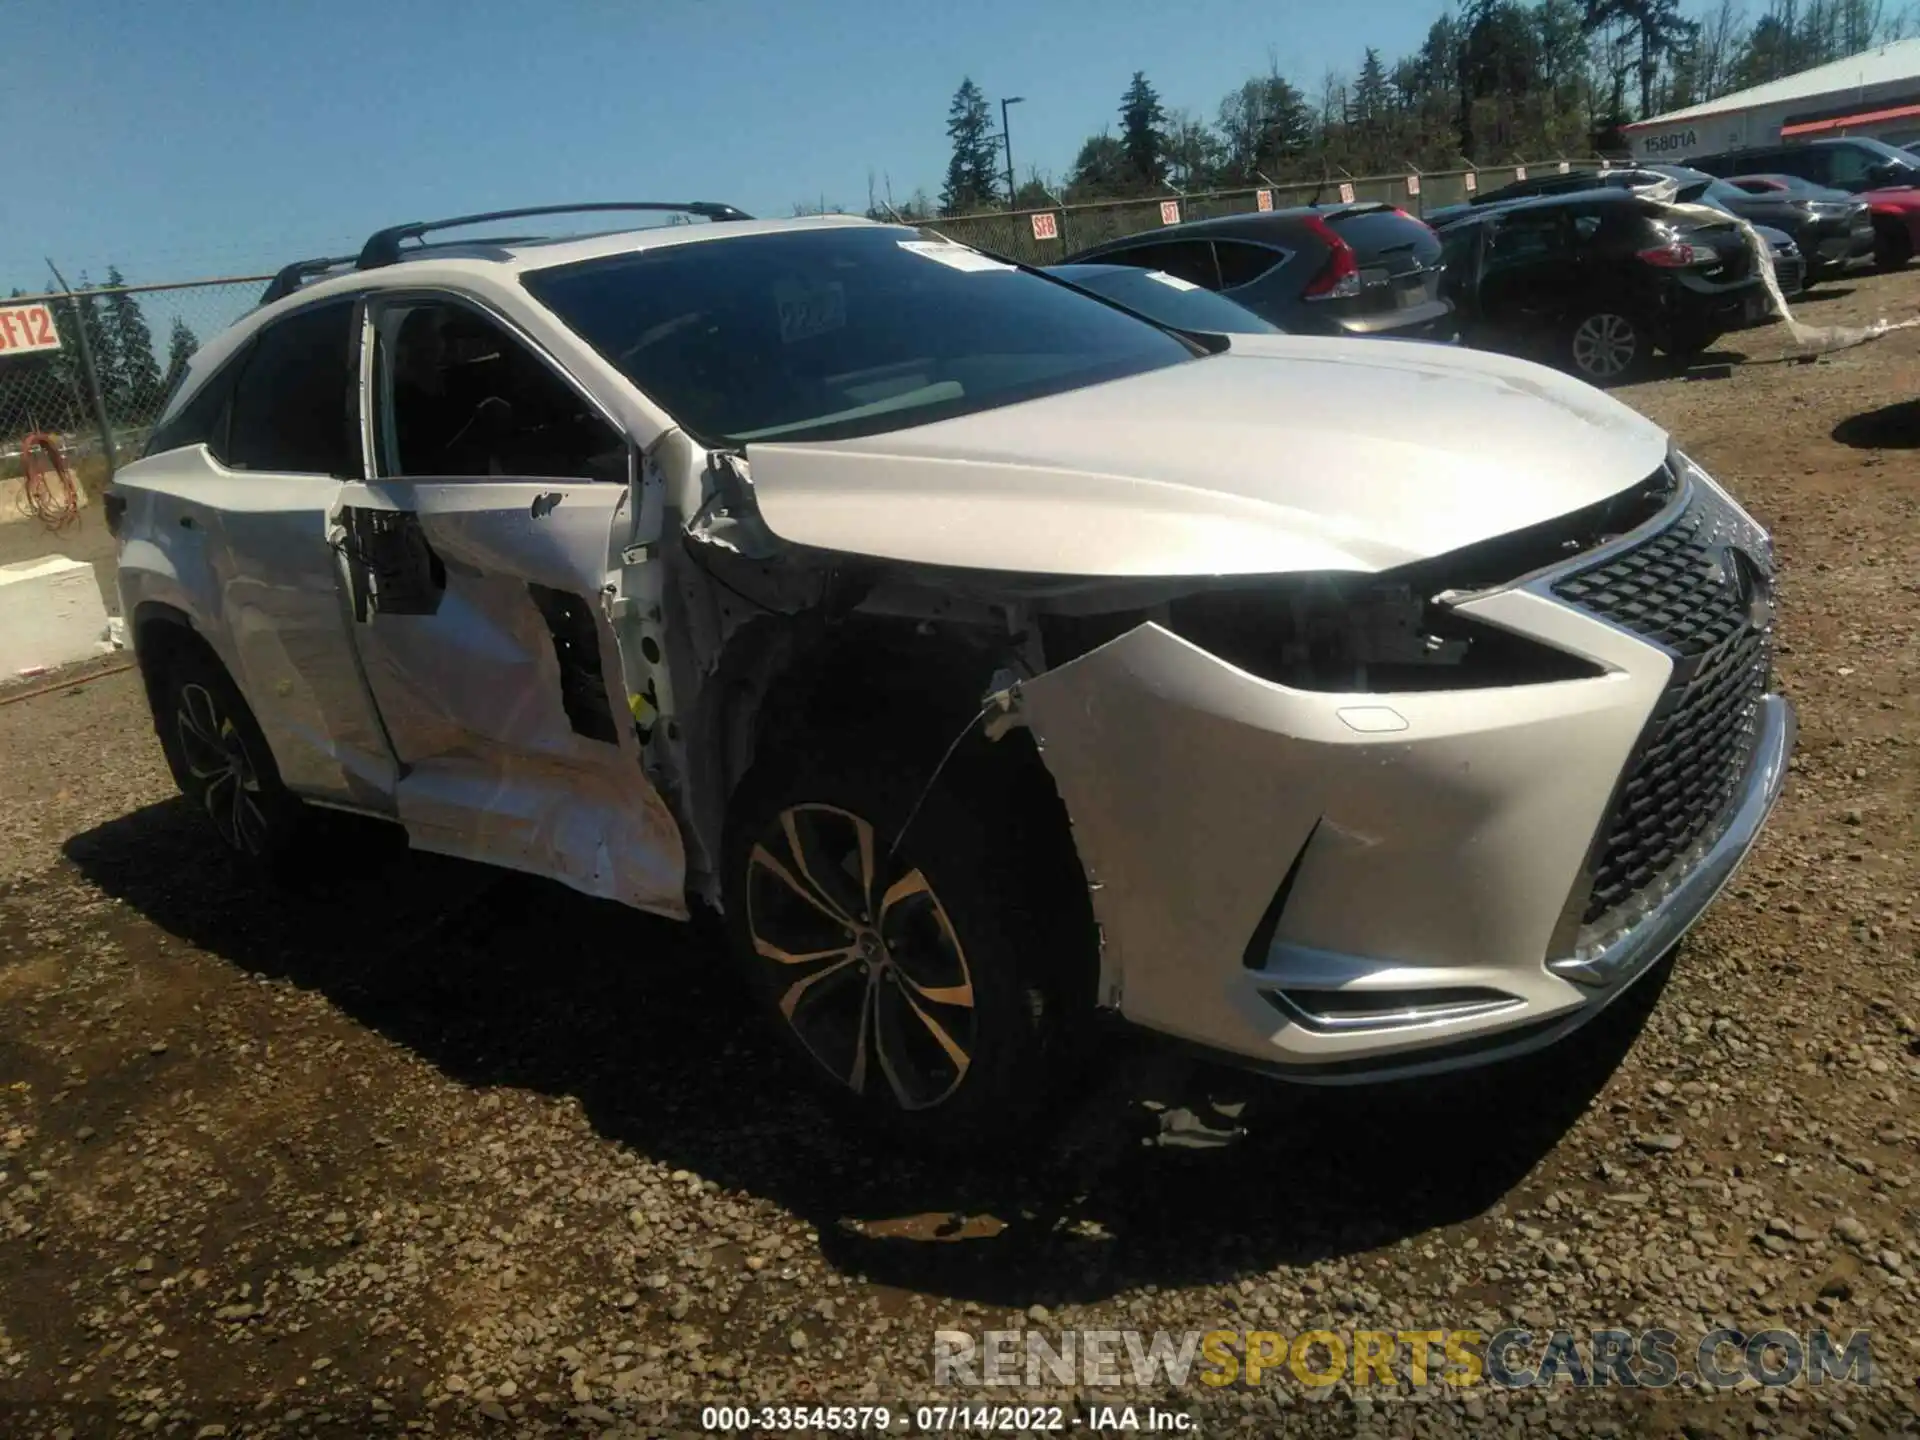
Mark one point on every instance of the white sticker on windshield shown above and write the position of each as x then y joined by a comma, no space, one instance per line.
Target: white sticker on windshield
1173,281
957,257
809,310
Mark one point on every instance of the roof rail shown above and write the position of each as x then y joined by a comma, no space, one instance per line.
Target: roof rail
383,246
290,277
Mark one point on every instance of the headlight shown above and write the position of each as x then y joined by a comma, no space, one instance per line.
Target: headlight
1361,634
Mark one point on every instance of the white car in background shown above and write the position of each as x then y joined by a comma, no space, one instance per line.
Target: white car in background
988,655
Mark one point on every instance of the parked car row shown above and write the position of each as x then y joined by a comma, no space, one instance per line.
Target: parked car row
1593,270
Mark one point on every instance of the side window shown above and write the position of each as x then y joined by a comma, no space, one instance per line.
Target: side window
1585,227
1801,160
1527,240
1456,245
461,398
203,419
1846,167
1242,263
293,400
1184,259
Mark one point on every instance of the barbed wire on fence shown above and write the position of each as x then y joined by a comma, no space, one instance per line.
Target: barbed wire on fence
1043,237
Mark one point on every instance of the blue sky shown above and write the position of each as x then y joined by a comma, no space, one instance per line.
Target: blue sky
208,137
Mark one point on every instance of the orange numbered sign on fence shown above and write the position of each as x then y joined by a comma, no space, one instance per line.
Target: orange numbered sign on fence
1263,199
1413,184
1564,167
1044,226
1169,212
1472,182
1519,172
1346,193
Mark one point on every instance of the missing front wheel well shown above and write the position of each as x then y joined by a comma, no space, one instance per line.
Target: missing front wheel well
910,696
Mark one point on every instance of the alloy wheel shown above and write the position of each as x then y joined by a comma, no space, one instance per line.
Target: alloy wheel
863,961
217,759
1604,345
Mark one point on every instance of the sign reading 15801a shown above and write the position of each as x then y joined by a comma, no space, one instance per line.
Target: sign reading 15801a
27,327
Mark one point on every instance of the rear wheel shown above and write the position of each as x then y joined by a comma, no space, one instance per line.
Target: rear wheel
218,756
1607,345
894,961
1892,245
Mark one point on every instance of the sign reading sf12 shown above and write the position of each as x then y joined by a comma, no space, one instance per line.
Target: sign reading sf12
27,327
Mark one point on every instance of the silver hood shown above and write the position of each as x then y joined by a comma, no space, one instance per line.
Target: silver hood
1285,453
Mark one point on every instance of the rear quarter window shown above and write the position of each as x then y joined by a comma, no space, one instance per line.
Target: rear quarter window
292,403
1242,262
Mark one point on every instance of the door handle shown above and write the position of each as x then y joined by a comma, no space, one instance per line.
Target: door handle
186,522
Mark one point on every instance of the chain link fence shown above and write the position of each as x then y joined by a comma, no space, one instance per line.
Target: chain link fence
1043,237
92,369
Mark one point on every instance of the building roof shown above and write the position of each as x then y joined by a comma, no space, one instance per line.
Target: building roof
1886,65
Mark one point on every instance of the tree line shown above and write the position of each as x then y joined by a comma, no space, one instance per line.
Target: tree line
45,390
1493,80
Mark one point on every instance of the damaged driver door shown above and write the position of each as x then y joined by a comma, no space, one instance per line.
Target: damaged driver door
484,563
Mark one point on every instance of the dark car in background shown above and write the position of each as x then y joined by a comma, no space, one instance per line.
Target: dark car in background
1357,270
1893,214
1830,227
1165,299
1854,163
1596,281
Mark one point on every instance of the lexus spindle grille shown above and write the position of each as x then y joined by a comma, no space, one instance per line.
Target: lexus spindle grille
1704,602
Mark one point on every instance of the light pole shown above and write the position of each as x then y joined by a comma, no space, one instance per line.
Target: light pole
1006,139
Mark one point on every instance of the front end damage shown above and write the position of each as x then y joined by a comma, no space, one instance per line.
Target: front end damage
1341,826
1389,880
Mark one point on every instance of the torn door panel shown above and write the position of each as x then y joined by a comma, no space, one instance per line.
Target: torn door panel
506,701
1194,789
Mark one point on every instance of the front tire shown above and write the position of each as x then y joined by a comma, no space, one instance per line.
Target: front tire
1606,346
895,966
219,758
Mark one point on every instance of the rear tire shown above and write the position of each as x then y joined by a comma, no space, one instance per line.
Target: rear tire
1606,345
909,985
1892,246
218,756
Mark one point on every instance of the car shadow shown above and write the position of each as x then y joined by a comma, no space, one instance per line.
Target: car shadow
500,979
1821,293
1892,427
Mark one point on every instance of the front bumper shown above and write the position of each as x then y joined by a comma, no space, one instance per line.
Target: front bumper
1358,887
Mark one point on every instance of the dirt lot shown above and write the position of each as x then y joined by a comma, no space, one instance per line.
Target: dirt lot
418,1146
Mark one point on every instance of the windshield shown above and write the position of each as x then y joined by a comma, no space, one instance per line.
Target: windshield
842,331
1719,194
1904,159
1166,299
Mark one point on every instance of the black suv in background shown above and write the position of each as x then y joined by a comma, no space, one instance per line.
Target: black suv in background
1854,163
1358,270
1595,282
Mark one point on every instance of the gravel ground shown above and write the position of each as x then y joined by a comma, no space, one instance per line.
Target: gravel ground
416,1146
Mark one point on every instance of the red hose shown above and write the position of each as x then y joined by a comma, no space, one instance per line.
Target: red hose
56,507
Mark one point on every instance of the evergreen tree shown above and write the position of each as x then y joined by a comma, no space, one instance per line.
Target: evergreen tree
1372,97
1658,27
106,365
972,172
138,374
181,343
1099,170
1141,137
